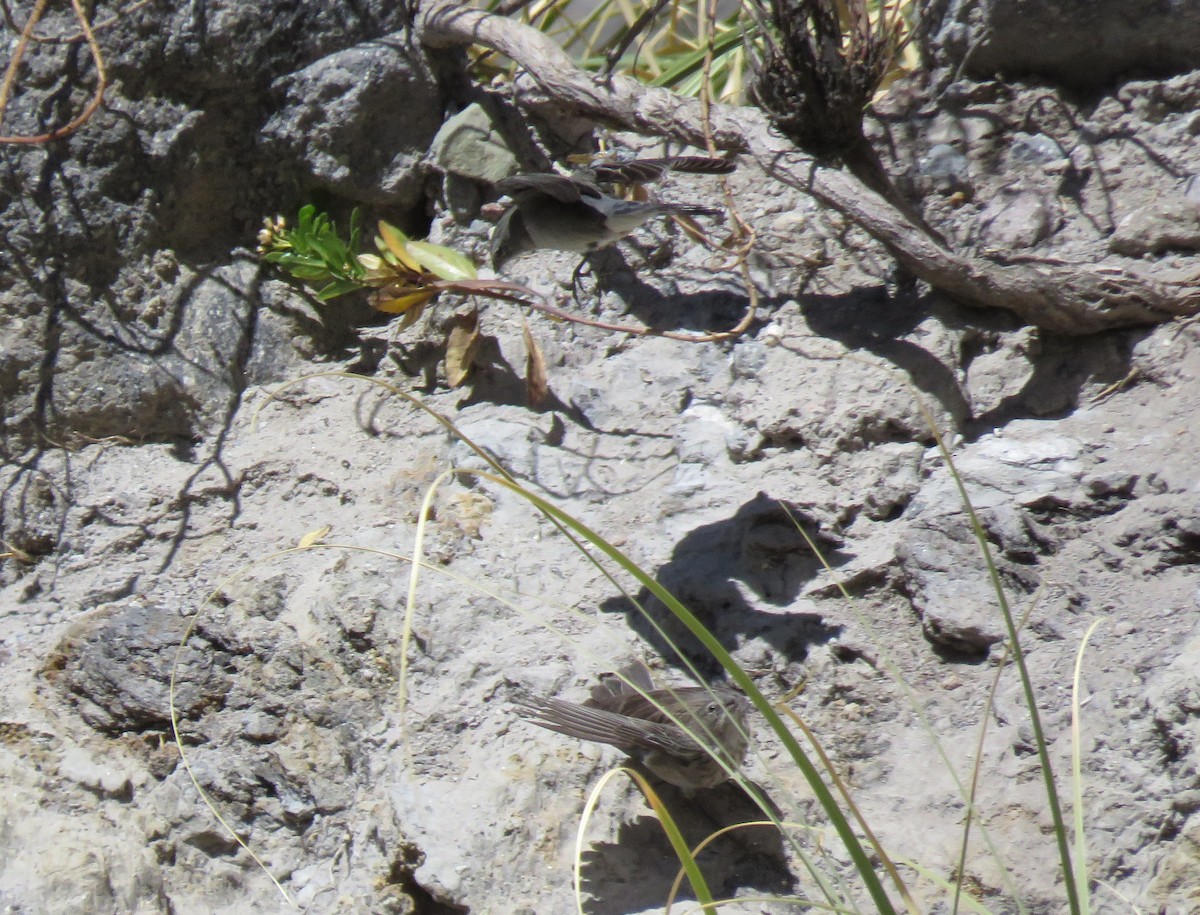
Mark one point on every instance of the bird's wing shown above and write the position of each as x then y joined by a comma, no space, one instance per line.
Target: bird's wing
689,705
620,731
635,171
560,187
612,685
653,706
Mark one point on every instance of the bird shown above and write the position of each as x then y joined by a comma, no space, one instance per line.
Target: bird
574,213
637,723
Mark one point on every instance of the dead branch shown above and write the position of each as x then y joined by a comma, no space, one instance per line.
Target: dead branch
1061,297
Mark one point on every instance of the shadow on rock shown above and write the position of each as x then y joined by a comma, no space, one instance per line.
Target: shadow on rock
872,320
1062,368
1058,368
494,380
635,873
723,572
669,300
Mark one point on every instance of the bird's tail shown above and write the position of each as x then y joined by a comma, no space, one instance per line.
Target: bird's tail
690,209
639,171
701,165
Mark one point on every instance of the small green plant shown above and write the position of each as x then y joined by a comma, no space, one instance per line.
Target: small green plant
405,276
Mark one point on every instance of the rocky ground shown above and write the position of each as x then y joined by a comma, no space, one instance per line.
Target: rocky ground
152,482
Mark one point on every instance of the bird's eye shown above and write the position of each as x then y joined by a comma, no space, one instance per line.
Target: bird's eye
714,707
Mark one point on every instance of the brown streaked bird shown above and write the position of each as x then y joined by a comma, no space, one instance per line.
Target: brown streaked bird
573,212
618,715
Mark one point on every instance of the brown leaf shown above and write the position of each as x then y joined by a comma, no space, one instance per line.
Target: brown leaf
461,345
537,385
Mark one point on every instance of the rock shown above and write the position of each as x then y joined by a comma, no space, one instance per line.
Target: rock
115,666
170,171
889,478
1015,219
1174,699
1034,150
360,121
1024,466
946,169
1174,883
1000,373
469,145
703,436
947,581
512,439
49,865
53,861
105,779
1191,191
1084,45
1171,223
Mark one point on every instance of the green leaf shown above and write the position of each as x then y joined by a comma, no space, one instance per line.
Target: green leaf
337,288
691,63
292,259
305,219
332,250
444,263
302,272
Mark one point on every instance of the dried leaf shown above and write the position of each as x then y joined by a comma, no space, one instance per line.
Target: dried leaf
398,304
314,537
467,511
461,345
537,385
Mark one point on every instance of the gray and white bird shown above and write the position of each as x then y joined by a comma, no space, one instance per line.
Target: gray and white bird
711,742
574,212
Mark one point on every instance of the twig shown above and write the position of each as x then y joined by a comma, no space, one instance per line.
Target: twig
10,75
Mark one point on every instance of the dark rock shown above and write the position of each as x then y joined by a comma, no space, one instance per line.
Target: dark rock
127,312
359,122
115,666
1084,43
